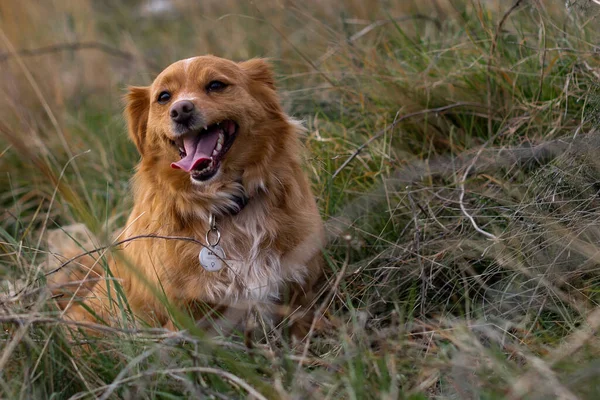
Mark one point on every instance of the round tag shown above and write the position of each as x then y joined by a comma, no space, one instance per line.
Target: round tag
209,258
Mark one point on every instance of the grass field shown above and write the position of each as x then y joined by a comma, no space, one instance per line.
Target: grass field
452,148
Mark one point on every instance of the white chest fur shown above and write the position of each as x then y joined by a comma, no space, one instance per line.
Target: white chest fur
256,271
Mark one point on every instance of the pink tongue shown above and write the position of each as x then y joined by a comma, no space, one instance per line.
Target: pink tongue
198,148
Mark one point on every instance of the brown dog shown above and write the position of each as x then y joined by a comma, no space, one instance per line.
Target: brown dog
215,145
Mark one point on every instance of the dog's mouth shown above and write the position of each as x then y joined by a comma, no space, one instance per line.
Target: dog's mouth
201,151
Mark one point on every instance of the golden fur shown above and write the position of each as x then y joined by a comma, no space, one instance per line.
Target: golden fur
272,245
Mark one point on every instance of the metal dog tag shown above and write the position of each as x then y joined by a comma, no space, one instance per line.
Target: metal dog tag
209,258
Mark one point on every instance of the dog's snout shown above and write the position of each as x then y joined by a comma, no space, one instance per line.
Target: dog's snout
182,111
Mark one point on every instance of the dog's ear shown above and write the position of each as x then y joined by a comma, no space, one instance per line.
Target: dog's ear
259,70
136,113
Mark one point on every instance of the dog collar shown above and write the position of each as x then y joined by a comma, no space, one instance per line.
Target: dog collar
240,203
212,256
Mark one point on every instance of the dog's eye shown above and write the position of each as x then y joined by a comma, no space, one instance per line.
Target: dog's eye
164,97
215,86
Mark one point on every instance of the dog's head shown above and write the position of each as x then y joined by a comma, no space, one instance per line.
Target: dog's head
206,119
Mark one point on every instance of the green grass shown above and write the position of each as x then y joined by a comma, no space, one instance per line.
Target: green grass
432,304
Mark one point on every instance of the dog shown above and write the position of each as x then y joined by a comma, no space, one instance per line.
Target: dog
223,214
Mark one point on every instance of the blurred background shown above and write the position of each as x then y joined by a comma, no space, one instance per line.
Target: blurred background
452,147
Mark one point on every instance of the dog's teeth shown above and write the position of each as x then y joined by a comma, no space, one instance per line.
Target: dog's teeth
205,127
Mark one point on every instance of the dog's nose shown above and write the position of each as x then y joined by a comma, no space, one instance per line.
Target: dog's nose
182,111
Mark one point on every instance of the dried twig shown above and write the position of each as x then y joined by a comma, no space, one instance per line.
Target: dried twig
130,239
306,58
417,241
462,196
484,160
26,319
203,370
76,46
372,26
120,242
396,122
332,292
570,346
490,58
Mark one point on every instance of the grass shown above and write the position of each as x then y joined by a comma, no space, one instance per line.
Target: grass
463,247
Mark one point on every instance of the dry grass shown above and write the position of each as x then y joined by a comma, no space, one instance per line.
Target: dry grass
453,151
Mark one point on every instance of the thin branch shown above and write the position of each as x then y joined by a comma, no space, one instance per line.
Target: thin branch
76,46
462,204
396,122
27,319
417,241
203,370
490,58
372,26
120,242
306,58
130,239
332,292
485,160
573,343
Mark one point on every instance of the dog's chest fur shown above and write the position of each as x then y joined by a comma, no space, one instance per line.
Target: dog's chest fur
255,269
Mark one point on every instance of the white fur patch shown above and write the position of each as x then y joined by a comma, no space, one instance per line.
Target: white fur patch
187,62
297,124
256,274
264,273
185,96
